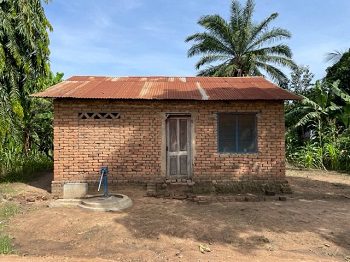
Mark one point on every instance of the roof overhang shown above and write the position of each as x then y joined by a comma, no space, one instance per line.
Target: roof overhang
168,88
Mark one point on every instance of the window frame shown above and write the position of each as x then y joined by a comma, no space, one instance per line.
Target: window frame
237,133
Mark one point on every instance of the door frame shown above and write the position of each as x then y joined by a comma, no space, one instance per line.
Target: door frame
190,142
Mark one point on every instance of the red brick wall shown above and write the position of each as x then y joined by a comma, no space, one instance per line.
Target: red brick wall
131,146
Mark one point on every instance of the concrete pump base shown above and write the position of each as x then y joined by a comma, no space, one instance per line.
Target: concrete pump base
115,202
112,203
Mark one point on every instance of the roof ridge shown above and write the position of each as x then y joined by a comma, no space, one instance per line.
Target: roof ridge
162,76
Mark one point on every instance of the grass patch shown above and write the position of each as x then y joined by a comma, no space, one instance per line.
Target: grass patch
5,245
7,210
7,189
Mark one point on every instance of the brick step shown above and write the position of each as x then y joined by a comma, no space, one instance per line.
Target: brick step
175,190
151,189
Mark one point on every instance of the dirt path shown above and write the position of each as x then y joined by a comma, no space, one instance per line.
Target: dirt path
312,225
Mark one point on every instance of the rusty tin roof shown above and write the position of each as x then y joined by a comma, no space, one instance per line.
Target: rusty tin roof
168,88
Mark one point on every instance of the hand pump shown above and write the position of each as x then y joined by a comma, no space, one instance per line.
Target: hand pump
103,178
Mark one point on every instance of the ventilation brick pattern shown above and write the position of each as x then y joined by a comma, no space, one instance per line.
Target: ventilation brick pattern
99,115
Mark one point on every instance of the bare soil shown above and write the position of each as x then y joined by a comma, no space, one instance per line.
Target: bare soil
312,225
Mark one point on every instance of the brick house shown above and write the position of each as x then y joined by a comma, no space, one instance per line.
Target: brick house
199,130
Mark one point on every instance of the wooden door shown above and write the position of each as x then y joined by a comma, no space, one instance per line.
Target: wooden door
178,146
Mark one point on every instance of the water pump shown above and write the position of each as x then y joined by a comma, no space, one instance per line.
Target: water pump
104,180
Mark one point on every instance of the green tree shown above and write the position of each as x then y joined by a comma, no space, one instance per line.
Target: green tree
317,113
239,46
340,71
316,108
24,61
301,80
344,115
38,121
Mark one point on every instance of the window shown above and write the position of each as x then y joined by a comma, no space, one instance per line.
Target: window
237,133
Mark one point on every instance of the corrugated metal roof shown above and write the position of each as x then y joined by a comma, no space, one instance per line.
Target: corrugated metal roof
162,88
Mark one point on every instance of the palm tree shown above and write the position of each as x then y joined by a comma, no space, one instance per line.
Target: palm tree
241,47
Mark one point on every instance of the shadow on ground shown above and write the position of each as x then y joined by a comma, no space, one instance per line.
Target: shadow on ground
314,221
42,181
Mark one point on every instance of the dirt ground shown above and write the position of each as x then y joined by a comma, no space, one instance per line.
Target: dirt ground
312,225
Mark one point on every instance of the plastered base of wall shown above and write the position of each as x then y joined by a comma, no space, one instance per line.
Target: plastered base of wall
168,187
113,186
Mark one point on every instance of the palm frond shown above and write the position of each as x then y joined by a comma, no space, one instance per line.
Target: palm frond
208,44
236,15
281,50
310,117
211,58
311,104
275,73
340,93
334,56
248,13
268,37
218,27
277,60
257,29
222,70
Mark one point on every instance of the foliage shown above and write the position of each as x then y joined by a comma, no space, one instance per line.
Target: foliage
239,46
16,163
23,168
25,122
24,48
344,149
301,79
340,71
309,156
318,128
25,66
315,108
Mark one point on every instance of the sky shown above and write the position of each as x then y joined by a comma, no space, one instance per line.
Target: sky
146,37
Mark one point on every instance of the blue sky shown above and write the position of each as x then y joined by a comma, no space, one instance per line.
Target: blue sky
146,37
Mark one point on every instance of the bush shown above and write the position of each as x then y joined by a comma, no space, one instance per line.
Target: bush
333,155
21,168
308,156
344,152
